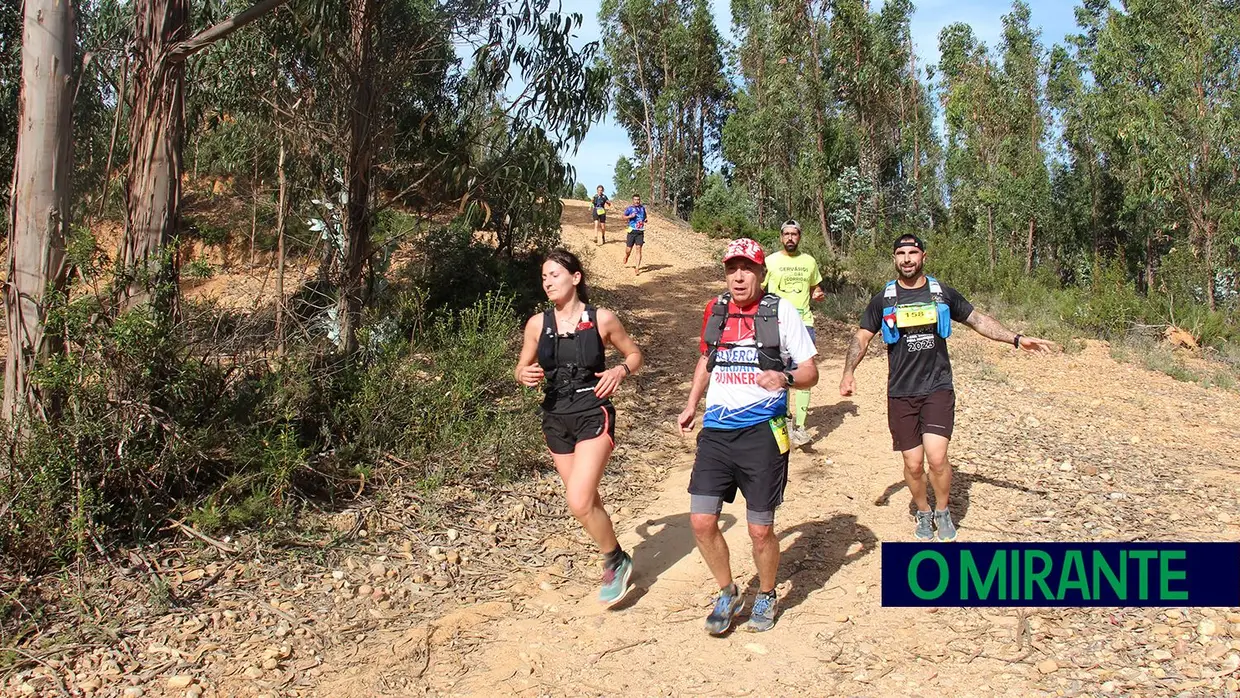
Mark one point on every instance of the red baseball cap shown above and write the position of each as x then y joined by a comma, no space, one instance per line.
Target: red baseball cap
747,248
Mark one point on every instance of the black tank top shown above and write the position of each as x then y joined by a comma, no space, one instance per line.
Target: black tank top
570,362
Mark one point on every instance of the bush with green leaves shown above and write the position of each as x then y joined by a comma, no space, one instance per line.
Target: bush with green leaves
193,419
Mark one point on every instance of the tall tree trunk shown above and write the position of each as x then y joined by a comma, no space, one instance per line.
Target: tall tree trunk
254,189
1211,228
990,234
116,123
822,222
916,90
361,143
39,211
280,209
156,132
701,148
156,128
646,121
820,126
1029,247
1149,264
664,144
1095,199
1035,161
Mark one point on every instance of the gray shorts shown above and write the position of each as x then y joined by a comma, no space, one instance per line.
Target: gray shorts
707,504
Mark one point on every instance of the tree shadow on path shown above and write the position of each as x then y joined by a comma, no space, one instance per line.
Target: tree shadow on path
822,420
819,551
962,486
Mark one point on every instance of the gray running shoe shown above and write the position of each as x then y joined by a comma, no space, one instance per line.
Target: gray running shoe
762,615
924,530
727,606
616,582
799,436
943,523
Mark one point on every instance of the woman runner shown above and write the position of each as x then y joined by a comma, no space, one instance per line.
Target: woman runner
565,349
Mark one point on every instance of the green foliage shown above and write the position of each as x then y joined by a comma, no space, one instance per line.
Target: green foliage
160,419
669,90
630,179
198,268
447,401
723,211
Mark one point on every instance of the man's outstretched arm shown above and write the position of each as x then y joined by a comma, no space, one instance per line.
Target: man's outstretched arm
990,328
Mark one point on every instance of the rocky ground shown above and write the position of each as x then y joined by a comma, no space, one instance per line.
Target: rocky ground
487,589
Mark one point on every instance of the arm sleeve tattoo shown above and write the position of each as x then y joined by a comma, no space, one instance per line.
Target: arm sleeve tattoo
855,353
989,327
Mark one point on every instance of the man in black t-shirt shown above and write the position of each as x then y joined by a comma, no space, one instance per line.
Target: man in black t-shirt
913,315
598,211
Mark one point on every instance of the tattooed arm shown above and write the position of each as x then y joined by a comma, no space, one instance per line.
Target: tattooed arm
856,351
990,328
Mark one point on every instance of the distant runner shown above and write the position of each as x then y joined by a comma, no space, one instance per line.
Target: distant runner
914,315
795,278
749,338
636,216
565,349
600,205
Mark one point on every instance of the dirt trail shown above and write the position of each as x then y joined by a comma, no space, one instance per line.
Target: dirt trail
1065,447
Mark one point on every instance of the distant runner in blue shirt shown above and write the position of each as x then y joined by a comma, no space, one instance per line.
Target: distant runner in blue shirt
636,216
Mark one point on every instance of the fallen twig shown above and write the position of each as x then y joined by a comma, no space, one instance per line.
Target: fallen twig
220,572
190,530
621,648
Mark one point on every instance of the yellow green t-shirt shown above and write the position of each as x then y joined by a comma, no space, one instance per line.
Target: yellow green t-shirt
794,279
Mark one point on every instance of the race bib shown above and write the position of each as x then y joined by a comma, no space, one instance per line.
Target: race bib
640,225
600,211
917,315
779,427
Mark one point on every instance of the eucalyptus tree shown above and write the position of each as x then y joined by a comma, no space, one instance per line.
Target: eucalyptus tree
1170,77
162,43
1026,192
10,82
977,127
669,89
40,210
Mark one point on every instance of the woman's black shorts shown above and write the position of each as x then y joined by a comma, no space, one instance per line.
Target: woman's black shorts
564,431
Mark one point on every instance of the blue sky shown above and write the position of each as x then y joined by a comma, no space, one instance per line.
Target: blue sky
596,158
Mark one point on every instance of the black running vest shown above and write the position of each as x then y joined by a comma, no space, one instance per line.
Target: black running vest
766,333
570,362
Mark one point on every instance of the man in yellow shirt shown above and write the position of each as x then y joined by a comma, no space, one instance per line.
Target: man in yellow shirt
795,277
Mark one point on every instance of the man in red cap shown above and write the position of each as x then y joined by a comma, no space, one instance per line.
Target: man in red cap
914,315
749,339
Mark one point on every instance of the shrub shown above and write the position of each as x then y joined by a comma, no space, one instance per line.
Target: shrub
189,419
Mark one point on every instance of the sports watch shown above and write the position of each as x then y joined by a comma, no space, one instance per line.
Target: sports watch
788,377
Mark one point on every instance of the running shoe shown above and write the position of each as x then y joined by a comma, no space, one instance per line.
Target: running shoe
616,582
727,607
924,530
799,436
943,524
762,615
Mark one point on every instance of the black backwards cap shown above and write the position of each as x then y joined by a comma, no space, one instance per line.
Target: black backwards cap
908,239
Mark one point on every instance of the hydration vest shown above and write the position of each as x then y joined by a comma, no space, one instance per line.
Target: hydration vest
565,379
943,317
766,334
